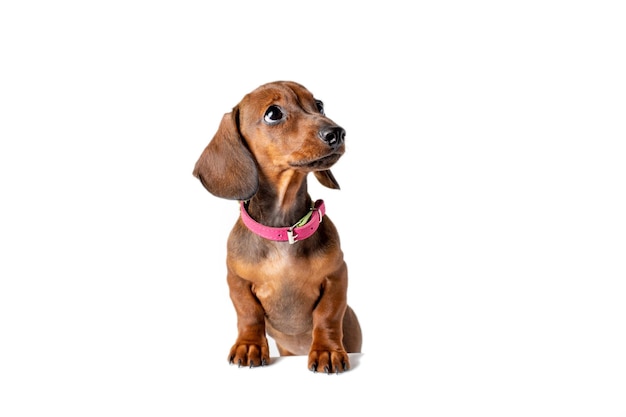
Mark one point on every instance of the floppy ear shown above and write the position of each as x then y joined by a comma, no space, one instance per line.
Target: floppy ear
226,167
327,179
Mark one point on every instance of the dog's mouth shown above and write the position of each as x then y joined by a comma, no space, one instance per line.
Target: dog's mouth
324,162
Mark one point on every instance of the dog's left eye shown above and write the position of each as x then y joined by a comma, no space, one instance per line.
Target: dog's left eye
273,115
320,106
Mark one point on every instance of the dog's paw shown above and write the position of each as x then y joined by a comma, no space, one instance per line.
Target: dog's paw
251,355
329,361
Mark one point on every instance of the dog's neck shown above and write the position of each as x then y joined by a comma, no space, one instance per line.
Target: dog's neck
280,203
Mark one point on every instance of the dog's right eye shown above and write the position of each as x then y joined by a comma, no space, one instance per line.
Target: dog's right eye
320,106
273,115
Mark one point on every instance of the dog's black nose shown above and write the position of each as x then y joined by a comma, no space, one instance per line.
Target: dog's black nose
333,136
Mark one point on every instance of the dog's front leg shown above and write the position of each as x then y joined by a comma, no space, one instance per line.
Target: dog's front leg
251,348
327,352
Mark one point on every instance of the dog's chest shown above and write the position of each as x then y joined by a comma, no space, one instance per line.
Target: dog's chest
287,286
281,275
288,306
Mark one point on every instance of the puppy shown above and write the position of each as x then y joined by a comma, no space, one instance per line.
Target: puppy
286,273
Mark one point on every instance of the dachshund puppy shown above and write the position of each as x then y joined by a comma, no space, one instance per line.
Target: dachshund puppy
286,272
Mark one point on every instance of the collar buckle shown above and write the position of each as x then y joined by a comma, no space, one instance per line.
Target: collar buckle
291,237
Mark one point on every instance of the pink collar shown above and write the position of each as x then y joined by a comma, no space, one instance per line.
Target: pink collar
304,228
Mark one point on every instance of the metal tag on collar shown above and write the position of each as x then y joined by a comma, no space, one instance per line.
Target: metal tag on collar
291,236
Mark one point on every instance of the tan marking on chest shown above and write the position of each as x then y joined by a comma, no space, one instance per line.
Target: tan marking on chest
287,286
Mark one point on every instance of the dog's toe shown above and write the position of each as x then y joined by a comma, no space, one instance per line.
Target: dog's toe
251,355
328,361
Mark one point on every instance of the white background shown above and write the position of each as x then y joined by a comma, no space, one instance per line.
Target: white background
482,210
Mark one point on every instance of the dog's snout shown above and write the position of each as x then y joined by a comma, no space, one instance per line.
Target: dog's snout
333,136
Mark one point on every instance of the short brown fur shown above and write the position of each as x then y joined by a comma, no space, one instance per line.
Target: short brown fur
294,292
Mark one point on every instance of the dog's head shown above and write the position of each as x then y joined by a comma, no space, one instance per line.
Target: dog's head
279,126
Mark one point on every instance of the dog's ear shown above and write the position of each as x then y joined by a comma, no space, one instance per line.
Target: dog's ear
327,179
226,167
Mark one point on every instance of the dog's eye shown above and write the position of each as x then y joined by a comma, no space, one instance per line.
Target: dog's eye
320,106
273,115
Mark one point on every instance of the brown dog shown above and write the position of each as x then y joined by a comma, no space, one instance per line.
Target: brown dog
286,272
